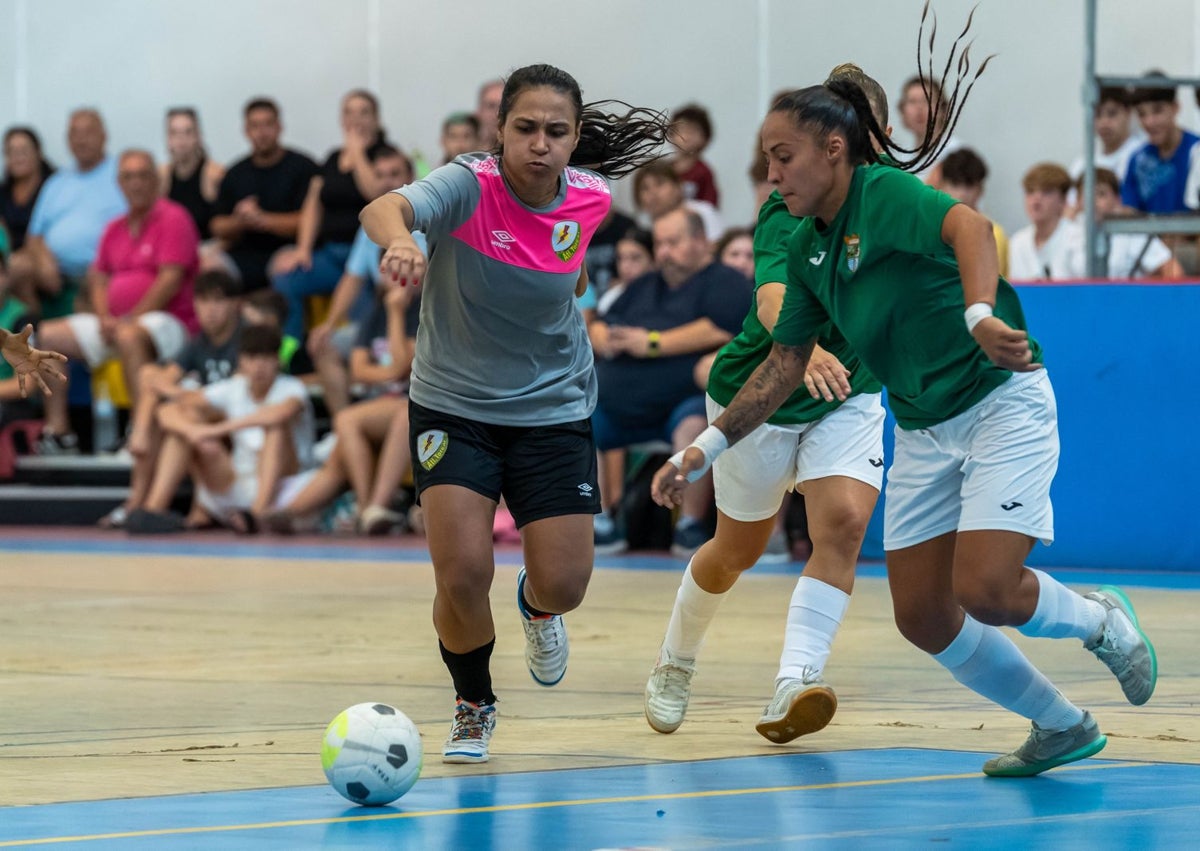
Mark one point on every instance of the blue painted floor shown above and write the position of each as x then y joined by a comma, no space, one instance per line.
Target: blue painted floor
860,799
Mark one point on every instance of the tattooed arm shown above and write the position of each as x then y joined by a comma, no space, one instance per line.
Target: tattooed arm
775,379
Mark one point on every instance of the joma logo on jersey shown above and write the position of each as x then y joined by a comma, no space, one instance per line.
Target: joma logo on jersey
502,238
565,239
853,250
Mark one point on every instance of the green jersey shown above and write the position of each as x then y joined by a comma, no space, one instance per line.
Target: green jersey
742,355
881,272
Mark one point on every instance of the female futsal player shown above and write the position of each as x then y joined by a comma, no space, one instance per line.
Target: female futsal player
503,382
826,441
897,267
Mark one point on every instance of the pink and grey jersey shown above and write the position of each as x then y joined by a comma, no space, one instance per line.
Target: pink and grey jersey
501,340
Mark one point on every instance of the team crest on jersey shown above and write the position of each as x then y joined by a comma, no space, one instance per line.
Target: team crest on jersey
853,249
565,239
431,446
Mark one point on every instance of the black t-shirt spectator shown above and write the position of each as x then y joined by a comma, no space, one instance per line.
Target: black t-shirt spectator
636,392
340,200
207,362
16,216
279,188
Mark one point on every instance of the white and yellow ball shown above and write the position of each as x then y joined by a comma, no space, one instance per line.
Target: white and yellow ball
372,754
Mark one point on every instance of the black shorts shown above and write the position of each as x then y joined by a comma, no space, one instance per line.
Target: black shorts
541,471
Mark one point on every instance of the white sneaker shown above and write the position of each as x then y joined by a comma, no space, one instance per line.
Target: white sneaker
800,707
546,648
470,734
1122,646
668,691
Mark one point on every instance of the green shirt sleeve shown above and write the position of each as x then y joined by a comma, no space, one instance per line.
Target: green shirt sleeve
772,233
906,215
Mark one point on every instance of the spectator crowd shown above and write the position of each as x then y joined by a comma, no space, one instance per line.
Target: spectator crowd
232,310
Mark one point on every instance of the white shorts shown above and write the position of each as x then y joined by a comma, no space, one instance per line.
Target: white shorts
168,334
241,494
989,468
752,476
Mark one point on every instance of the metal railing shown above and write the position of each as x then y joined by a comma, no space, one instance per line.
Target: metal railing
1182,223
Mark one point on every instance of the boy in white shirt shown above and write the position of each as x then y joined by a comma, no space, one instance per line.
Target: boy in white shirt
243,440
1130,255
1052,246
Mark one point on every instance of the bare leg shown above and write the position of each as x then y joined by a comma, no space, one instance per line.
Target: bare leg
136,350
276,460
360,428
612,478
56,335
322,489
334,379
558,561
458,526
170,469
395,457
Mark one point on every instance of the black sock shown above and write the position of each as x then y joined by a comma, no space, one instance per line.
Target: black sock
471,673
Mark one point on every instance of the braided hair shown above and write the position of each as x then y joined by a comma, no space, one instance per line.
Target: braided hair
842,104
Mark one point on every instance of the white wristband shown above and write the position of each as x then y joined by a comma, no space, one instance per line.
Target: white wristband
711,442
976,313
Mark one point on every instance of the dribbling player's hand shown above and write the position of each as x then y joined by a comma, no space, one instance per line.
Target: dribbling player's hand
826,377
403,263
1008,348
670,481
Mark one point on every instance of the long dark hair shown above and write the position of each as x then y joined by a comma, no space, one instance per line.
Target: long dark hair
44,166
841,104
611,143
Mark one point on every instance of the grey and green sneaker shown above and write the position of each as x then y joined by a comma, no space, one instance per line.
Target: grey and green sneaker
1121,645
1045,749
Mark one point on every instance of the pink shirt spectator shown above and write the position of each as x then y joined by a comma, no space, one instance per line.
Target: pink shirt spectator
168,236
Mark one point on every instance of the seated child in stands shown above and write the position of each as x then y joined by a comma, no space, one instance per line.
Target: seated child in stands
210,356
372,453
1130,255
244,440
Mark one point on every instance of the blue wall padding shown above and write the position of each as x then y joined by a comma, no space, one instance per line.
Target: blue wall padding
1124,361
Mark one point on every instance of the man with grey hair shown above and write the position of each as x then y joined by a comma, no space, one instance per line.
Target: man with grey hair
68,218
140,287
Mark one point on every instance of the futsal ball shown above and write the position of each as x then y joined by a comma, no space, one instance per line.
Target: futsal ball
372,754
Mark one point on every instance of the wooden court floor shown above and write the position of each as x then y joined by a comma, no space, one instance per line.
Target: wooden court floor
129,671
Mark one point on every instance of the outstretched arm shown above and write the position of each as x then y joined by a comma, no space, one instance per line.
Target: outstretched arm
28,361
775,379
388,220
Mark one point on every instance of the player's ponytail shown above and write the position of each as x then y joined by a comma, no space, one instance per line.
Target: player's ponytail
817,107
611,143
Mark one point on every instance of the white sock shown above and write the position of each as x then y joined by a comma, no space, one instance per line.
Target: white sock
693,612
814,615
1061,612
986,661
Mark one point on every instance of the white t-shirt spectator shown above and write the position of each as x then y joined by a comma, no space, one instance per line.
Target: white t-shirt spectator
232,396
1134,255
1061,257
